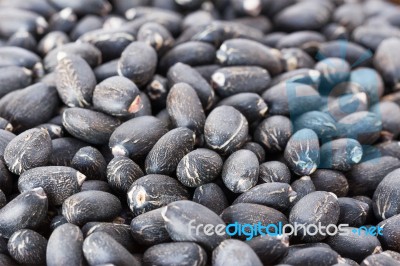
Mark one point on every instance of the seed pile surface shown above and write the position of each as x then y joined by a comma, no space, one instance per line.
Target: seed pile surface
189,132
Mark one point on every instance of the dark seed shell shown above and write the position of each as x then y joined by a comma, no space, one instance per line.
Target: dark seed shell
122,172
386,198
59,182
64,150
330,181
13,78
340,154
352,212
269,249
321,123
310,256
90,162
302,187
235,252
27,247
275,171
211,196
91,206
28,150
386,62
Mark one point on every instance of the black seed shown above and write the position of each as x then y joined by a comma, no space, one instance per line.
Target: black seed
52,40
99,7
345,105
89,206
321,123
27,210
90,162
59,182
157,91
65,246
240,171
122,172
330,181
302,187
274,171
225,129
90,126
117,96
211,196
387,113
13,78
96,185
386,62
340,154
199,167
28,150
300,39
304,76
379,259
154,191
149,229
235,252
333,72
185,109
100,248
386,201
156,36
269,248
64,150
302,152
311,256
352,212
296,58
178,217
106,70
257,149
316,207
136,137
27,247
55,131
175,253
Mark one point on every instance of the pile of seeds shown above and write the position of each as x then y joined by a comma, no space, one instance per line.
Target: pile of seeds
133,132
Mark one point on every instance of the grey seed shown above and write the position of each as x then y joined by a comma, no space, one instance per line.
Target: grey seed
154,191
242,52
156,36
368,81
121,173
269,249
316,207
228,81
184,73
207,71
389,148
117,96
392,254
89,206
275,195
249,213
302,187
3,199
334,31
13,78
292,99
257,149
90,126
101,248
65,246
240,171
39,7
178,217
199,167
192,53
272,39
63,21
86,24
365,177
96,185
333,72
350,15
354,52
296,58
7,260
75,80
27,247
387,112
59,182
304,16
330,181
274,171
352,211
98,7
379,259
241,8
311,256
181,253
27,210
16,56
149,228
390,233
354,246
321,123
119,232
345,105
110,42
21,107
136,137
362,126
386,196
64,150
340,154
90,162
14,19
86,51
251,105
386,60
24,40
51,41
211,196
106,70
185,109
169,150
138,63
225,130
300,39
371,37
305,76
28,150
6,179
235,252
55,131
57,221
273,133
302,152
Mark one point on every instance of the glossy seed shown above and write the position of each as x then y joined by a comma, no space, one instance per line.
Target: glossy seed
58,182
